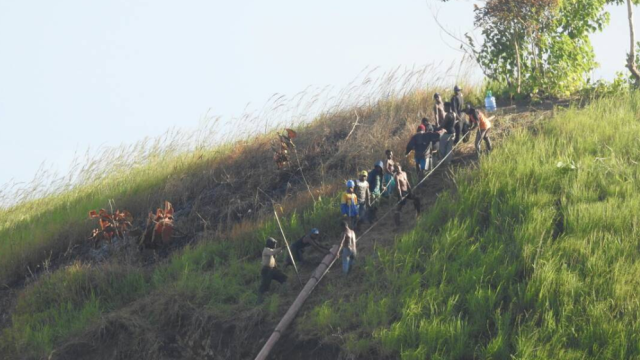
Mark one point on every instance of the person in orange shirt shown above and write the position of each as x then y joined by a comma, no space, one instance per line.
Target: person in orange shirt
478,119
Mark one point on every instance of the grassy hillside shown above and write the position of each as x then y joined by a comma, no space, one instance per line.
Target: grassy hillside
68,292
536,255
532,254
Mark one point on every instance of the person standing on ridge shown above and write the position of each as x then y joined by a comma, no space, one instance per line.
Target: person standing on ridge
419,145
349,204
477,118
438,110
404,193
297,247
364,197
270,270
348,246
389,165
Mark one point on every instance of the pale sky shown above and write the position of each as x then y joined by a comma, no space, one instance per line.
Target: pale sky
76,74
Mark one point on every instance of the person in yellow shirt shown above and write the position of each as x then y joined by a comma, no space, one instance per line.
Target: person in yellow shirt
349,204
477,118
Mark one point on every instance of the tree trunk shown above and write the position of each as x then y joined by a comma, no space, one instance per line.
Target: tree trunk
519,65
631,61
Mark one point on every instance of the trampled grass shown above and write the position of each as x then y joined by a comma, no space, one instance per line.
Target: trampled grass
534,256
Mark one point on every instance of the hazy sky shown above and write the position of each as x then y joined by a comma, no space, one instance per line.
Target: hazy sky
75,74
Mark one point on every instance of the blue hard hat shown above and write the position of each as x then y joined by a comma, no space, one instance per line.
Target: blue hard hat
380,164
314,231
351,184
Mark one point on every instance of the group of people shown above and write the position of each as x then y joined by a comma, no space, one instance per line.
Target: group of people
452,123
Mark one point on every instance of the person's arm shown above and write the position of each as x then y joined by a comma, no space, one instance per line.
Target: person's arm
316,245
367,197
410,145
398,185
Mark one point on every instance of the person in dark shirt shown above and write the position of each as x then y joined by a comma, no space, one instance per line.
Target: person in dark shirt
462,125
446,139
298,246
432,136
420,147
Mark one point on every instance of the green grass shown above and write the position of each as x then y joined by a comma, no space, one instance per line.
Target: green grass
529,258
214,275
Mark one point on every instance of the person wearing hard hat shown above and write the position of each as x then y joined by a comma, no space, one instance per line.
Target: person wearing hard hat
364,196
270,270
349,203
298,246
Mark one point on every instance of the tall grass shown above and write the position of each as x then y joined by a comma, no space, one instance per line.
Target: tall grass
534,256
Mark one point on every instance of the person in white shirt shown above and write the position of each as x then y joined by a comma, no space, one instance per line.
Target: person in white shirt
270,269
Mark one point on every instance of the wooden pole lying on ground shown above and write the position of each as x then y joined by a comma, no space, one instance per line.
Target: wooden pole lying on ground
297,304
293,261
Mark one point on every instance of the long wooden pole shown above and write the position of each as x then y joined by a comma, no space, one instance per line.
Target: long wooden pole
293,261
321,270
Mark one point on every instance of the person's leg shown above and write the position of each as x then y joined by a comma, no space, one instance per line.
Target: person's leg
266,280
443,146
487,140
416,202
278,275
478,140
457,132
345,260
466,130
448,148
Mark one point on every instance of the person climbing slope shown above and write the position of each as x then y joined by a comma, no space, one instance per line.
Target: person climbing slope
477,118
298,246
432,137
404,193
348,246
364,197
420,146
389,182
349,204
270,270
446,139
375,179
461,126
